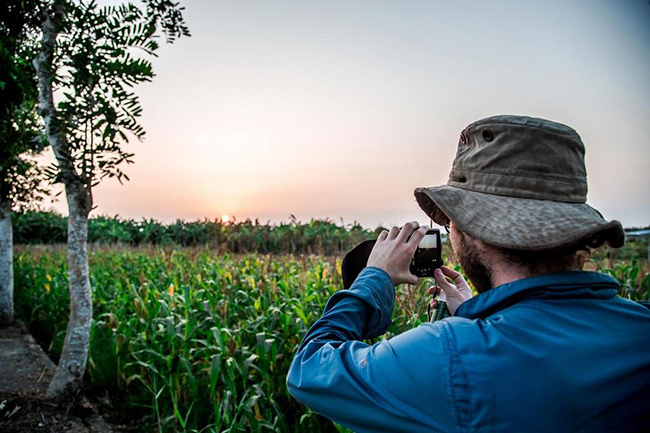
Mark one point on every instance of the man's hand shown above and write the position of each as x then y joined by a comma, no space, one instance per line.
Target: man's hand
456,293
393,253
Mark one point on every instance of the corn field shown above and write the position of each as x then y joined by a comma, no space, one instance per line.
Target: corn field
202,341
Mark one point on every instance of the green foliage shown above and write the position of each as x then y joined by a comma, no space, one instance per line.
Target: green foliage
21,179
316,236
96,63
90,57
39,228
636,247
635,284
203,340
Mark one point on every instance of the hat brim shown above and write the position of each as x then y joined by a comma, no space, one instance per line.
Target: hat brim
518,223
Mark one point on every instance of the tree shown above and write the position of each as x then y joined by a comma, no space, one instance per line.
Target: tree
20,177
87,56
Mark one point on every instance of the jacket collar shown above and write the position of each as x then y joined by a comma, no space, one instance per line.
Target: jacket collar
561,285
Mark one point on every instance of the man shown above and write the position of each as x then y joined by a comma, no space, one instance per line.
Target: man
544,347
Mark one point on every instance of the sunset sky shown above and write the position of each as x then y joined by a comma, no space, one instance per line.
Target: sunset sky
339,109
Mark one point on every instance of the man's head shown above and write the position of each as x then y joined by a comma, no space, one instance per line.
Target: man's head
488,266
517,190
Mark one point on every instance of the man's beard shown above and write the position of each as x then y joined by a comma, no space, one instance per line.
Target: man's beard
477,272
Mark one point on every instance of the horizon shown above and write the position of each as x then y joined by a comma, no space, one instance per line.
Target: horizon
341,110
233,220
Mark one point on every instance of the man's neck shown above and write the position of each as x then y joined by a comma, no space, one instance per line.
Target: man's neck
504,272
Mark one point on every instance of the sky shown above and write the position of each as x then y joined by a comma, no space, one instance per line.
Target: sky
340,109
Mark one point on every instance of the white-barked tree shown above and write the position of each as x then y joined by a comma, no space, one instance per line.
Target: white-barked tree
90,58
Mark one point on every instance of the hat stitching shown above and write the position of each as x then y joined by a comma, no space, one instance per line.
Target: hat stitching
510,192
560,179
556,131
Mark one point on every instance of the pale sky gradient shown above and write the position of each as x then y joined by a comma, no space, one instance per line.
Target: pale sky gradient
340,109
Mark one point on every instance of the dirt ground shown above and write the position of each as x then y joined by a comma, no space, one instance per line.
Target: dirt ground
25,372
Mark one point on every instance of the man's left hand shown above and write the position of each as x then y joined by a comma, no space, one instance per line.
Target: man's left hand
455,293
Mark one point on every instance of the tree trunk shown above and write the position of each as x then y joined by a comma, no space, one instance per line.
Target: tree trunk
6,260
72,364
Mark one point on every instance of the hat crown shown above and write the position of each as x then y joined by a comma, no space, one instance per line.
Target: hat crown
519,156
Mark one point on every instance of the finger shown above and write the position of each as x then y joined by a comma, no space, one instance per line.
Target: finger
394,231
407,230
434,304
459,280
450,272
417,236
449,289
383,235
454,275
433,290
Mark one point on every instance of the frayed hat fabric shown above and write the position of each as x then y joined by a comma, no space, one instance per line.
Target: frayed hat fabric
520,182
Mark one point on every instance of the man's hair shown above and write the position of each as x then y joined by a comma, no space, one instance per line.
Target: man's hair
572,257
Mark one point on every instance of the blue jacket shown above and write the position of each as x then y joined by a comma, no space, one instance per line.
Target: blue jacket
554,353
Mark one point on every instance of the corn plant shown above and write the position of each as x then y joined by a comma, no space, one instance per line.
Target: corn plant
633,279
202,341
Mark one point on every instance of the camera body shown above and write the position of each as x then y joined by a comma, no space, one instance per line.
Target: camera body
428,256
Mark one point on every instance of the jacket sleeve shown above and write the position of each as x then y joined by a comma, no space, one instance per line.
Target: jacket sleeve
395,385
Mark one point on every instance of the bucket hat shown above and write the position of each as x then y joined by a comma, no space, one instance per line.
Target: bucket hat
520,183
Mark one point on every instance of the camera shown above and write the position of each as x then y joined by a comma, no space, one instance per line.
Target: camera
428,256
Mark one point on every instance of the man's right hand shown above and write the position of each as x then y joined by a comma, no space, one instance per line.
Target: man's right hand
456,293
394,250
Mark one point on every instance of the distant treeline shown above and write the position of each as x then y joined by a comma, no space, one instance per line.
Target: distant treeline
634,229
316,236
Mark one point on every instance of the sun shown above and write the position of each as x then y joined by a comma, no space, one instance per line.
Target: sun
225,218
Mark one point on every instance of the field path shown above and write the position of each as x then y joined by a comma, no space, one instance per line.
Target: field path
24,368
25,373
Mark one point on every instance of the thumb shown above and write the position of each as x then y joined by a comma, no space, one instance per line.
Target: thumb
411,279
